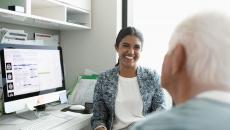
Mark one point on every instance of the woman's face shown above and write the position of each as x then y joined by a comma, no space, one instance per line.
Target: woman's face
129,51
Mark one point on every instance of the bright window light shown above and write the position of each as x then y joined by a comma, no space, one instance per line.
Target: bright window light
158,18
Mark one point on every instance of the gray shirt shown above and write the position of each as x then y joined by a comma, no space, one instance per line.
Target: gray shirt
198,114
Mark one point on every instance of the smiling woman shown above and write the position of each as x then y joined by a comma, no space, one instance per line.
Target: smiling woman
126,93
129,53
128,46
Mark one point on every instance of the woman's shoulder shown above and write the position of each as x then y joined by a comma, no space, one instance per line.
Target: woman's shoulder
109,72
145,71
149,79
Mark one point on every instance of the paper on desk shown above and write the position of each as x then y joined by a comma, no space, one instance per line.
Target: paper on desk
68,115
75,114
12,120
83,92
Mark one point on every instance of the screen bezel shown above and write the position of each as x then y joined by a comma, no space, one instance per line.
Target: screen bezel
16,46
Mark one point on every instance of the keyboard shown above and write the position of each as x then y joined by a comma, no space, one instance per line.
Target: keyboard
45,123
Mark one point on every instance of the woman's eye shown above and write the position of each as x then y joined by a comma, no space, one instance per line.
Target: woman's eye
124,45
137,47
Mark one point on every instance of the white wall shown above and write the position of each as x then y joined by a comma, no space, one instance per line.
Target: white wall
92,49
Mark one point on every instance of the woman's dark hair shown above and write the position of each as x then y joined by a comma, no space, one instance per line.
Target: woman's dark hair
128,31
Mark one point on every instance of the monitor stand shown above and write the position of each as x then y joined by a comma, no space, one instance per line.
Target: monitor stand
30,113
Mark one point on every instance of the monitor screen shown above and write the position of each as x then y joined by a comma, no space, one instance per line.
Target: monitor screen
31,75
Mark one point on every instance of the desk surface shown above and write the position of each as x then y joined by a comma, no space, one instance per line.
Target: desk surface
12,122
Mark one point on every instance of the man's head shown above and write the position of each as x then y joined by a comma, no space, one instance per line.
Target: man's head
198,58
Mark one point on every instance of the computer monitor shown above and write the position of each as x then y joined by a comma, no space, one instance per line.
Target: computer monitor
31,76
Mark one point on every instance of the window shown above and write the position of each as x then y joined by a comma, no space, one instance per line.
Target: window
158,18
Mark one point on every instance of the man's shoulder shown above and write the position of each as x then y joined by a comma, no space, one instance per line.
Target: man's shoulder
155,121
163,120
185,116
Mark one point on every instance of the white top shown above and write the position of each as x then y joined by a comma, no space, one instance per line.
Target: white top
221,96
128,103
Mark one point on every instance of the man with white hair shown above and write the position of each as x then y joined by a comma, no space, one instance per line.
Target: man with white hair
196,72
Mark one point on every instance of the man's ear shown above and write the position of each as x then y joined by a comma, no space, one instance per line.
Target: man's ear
178,59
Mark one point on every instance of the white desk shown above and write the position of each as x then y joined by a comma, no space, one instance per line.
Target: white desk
77,123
